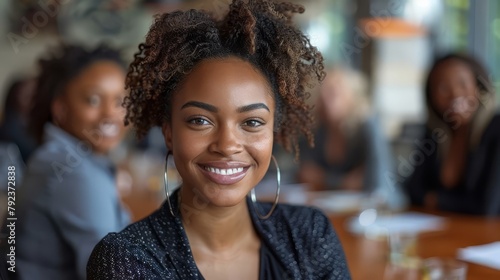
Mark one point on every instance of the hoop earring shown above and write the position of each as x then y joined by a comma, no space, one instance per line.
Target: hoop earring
276,198
165,185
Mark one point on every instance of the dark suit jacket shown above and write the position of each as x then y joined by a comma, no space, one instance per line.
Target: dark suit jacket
157,247
479,189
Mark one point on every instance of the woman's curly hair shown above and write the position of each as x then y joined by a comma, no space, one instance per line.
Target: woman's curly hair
257,31
60,67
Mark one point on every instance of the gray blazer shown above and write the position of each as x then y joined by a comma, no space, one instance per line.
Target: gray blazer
66,204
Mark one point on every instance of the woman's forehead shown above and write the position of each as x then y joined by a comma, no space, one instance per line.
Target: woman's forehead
224,79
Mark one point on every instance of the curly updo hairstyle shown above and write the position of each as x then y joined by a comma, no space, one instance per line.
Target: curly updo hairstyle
59,68
257,31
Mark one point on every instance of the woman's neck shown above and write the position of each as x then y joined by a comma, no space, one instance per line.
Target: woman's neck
215,229
454,161
461,132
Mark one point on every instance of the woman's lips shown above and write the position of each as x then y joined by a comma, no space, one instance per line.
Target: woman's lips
224,176
109,130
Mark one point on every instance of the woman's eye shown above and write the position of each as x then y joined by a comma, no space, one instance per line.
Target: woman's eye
199,121
119,102
253,123
93,100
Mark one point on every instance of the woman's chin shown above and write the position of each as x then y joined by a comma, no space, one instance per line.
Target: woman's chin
220,198
105,146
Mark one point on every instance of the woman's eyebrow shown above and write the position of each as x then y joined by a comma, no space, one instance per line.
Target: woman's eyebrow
253,107
201,105
214,109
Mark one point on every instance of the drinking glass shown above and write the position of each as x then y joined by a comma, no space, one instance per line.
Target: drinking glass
443,269
403,248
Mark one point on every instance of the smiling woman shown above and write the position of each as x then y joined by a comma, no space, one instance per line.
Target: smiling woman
223,90
68,200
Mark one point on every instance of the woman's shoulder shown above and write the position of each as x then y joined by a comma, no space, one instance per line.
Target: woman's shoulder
140,235
133,239
46,153
133,252
56,164
152,248
153,234
56,158
492,132
118,258
494,124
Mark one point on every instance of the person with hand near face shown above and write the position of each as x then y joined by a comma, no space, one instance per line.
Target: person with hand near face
462,143
68,200
223,91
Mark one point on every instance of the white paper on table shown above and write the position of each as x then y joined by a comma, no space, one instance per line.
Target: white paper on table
487,254
409,222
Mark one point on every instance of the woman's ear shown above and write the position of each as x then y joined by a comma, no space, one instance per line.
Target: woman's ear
58,111
167,135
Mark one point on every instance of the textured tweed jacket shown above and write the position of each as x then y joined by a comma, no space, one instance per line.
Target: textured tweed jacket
157,247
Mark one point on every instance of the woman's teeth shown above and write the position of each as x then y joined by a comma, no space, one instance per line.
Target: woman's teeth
229,171
109,129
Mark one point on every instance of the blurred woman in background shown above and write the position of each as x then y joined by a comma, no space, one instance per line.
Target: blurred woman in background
351,152
16,143
68,200
14,125
460,171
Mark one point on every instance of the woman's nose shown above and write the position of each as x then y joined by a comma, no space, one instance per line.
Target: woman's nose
112,109
458,91
227,141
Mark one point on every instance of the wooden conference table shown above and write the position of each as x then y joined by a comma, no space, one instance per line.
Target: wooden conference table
367,258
